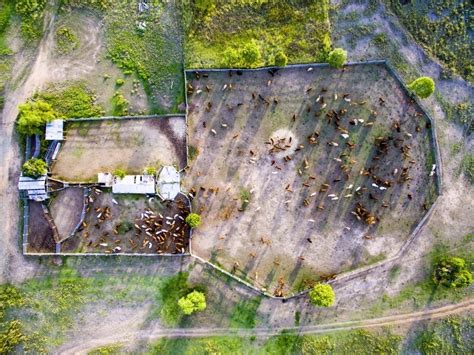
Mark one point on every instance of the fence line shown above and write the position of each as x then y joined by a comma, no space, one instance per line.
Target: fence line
118,118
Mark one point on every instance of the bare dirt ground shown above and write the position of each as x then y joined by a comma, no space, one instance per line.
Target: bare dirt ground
131,144
122,226
341,137
65,208
40,234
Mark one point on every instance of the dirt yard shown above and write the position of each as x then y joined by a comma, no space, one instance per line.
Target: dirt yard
66,208
129,144
304,174
131,224
40,234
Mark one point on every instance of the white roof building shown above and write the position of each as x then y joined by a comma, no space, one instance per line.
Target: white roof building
134,184
107,179
55,130
169,183
34,189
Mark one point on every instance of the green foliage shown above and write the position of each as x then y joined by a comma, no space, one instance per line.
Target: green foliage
34,168
66,40
106,350
150,170
212,345
10,297
245,196
99,5
33,116
281,59
467,166
300,29
124,227
452,272
120,173
170,291
119,82
192,152
192,302
11,337
31,13
337,58
423,86
119,104
322,295
193,220
244,314
72,101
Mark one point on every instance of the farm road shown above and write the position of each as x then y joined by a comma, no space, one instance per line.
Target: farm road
84,346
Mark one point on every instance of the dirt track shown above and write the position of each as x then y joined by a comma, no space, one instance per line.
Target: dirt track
137,336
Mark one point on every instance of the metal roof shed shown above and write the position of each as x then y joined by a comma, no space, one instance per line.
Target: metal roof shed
169,183
34,189
134,184
55,130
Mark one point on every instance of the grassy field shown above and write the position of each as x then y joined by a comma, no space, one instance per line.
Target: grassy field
218,31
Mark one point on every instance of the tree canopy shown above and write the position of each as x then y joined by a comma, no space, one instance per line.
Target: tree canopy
337,58
452,272
247,56
192,302
34,168
322,295
424,86
193,220
33,116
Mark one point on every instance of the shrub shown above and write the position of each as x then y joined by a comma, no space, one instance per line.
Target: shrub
66,40
34,168
119,82
322,295
281,59
120,104
193,220
424,86
230,57
120,173
250,54
452,272
33,116
337,58
192,302
150,170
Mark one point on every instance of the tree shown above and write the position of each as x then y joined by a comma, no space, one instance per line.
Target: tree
150,170
34,168
322,295
281,59
337,58
120,173
452,272
33,116
192,302
424,86
193,220
250,54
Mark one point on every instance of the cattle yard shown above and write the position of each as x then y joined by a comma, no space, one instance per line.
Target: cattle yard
304,173
299,174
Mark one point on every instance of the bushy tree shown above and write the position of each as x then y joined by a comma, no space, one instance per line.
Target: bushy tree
120,173
34,168
424,86
192,302
322,295
452,272
33,116
250,54
193,220
337,58
281,59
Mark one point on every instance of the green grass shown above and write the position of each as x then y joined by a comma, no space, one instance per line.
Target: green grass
467,166
31,14
244,314
6,12
66,40
71,100
299,28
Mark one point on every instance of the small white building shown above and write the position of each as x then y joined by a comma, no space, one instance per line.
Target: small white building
106,179
33,189
55,130
169,183
134,184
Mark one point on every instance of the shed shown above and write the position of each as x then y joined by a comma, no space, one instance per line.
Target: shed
33,189
134,184
169,183
105,179
55,130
